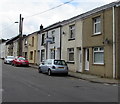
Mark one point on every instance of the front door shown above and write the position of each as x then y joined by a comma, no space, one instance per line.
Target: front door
80,61
87,59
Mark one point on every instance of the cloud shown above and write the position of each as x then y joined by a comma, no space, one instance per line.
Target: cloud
32,10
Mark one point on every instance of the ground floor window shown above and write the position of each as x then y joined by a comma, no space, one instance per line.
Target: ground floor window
52,53
70,54
42,55
98,55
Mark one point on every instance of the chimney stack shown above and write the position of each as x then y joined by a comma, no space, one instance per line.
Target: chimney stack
41,27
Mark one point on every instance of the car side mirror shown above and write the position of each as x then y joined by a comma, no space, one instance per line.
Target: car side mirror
43,63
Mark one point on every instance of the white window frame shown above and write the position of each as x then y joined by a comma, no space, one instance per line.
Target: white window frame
52,53
42,55
95,25
70,50
72,30
98,51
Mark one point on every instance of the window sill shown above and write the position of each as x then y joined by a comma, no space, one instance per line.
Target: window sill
71,39
70,62
96,34
99,64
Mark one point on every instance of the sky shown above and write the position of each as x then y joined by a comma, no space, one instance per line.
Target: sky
37,12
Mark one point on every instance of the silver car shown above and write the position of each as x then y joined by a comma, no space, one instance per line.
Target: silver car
51,66
9,59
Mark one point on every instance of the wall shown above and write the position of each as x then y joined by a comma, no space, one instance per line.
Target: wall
90,41
76,44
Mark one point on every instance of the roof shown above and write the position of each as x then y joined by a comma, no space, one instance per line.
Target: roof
2,41
53,26
12,39
96,10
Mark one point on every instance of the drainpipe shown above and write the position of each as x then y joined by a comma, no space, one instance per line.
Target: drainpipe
114,56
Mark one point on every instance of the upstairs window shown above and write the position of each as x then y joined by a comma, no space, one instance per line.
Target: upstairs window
97,25
43,39
25,42
72,32
32,41
53,36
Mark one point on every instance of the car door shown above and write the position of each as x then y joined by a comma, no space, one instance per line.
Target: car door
44,67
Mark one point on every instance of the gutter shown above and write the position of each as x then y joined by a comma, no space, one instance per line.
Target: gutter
114,56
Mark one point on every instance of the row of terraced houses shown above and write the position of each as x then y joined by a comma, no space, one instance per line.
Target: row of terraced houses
89,42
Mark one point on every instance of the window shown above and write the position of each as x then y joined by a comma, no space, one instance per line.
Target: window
43,39
31,55
97,25
98,53
32,41
53,39
52,53
53,36
72,32
49,62
71,54
42,55
25,42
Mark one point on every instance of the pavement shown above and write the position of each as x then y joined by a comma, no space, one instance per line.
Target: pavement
88,77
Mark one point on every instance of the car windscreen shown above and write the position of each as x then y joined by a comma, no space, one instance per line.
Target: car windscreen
59,62
21,58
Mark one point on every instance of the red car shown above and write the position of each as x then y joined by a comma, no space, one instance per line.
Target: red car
20,61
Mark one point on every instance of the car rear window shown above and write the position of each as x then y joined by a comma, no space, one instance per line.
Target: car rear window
59,62
10,57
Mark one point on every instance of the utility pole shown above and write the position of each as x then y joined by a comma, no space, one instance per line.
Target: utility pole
20,34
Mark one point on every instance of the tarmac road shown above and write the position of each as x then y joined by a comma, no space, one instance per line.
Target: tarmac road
25,84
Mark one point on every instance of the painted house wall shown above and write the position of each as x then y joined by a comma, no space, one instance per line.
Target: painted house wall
54,45
90,41
32,48
42,46
76,44
15,48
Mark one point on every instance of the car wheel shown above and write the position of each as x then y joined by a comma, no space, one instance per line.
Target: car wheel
49,72
66,74
39,70
12,64
15,64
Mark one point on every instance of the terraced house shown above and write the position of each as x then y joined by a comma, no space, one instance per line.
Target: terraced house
32,47
72,43
101,41
49,44
90,41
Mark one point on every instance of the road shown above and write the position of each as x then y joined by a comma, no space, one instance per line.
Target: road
25,84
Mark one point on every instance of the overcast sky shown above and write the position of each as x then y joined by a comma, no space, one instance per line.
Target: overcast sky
31,11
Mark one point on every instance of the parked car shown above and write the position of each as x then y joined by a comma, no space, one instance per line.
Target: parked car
9,59
51,66
20,61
